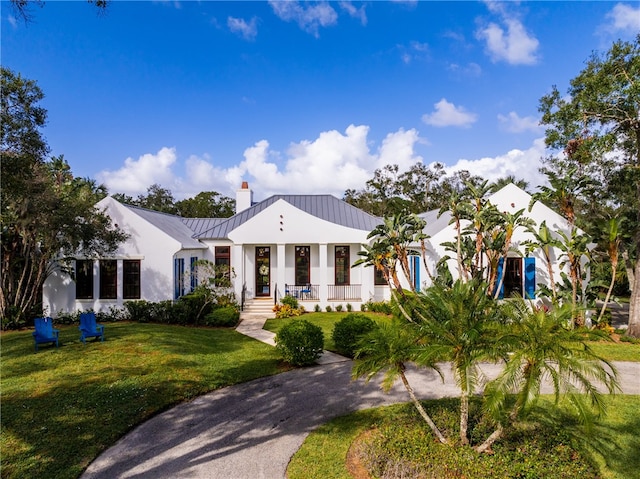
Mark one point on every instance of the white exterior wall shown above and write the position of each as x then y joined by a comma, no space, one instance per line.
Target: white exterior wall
155,250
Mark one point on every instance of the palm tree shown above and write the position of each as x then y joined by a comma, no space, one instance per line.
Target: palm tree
460,325
458,208
386,350
543,239
545,350
613,240
574,248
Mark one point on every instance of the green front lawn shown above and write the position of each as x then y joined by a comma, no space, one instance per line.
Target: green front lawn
62,407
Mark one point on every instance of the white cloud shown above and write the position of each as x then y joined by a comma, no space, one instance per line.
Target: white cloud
513,123
447,114
247,30
508,41
472,70
524,164
415,51
354,12
330,164
623,18
137,175
309,17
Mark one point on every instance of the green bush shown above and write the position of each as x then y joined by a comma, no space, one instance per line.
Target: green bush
349,307
227,316
290,301
377,307
140,310
329,308
339,308
300,342
317,308
349,330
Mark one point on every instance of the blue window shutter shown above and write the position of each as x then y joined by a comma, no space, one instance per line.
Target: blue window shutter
416,272
176,279
194,273
499,278
530,278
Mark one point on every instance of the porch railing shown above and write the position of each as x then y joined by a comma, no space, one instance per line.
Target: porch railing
308,292
344,292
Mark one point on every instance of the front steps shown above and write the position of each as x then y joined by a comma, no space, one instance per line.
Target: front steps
258,308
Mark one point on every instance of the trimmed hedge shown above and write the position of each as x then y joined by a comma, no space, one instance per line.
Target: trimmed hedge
300,342
349,330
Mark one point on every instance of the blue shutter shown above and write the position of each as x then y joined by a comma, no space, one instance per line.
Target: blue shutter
530,278
499,278
194,273
178,277
416,272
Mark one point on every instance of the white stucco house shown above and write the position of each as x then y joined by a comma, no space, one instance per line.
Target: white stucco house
302,245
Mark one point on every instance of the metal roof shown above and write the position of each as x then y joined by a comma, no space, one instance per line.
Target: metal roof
435,221
172,225
200,225
325,207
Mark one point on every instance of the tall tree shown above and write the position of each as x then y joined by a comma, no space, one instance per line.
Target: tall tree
158,199
596,128
207,204
46,214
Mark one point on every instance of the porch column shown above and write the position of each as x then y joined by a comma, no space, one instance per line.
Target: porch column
238,266
323,292
280,271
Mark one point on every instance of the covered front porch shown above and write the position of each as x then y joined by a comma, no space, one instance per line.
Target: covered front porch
314,273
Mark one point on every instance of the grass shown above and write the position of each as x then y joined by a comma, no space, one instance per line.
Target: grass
613,451
326,321
62,407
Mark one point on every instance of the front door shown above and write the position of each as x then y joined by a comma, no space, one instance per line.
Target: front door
263,271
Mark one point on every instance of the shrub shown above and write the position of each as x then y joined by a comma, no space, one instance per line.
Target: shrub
140,310
349,330
300,342
286,311
349,307
377,307
339,308
68,318
290,301
329,308
227,316
317,308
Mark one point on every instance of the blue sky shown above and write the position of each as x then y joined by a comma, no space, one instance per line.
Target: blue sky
301,97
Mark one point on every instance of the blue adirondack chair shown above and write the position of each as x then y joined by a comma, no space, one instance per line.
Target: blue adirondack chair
45,332
89,328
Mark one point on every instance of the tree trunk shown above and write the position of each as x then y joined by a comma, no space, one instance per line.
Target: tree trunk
464,418
614,269
486,445
421,410
634,305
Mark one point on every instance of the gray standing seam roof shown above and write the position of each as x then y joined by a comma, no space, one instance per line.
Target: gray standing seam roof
326,207
172,225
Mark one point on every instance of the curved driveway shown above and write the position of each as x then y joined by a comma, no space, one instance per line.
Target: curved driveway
251,430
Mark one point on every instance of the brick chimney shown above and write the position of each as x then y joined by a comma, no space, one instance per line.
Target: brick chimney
244,197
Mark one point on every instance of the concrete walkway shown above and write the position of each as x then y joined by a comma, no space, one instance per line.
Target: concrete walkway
251,430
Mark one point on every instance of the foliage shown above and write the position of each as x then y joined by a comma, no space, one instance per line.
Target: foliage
291,301
349,330
594,131
401,448
46,213
300,342
317,308
378,307
324,450
227,316
286,311
22,8
206,204
328,309
339,308
51,401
